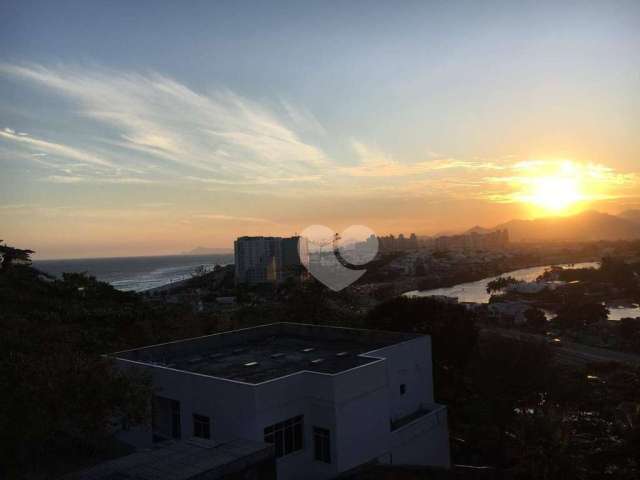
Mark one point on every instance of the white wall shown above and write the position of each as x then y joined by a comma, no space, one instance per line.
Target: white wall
229,405
356,406
306,393
408,363
362,415
423,442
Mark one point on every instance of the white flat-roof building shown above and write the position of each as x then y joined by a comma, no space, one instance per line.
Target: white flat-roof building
329,399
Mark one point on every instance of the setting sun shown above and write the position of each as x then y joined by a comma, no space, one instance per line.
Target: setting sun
557,187
555,194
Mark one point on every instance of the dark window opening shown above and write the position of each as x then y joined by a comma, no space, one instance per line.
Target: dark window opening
286,435
165,418
403,389
201,426
175,419
322,444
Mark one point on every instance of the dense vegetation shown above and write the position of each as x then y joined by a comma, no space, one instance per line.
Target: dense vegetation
579,302
59,394
513,406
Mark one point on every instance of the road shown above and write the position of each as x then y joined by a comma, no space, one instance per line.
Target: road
568,352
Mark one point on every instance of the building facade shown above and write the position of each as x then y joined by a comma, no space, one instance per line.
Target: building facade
400,243
268,259
328,399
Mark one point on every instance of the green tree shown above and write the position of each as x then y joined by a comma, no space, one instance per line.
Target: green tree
536,320
59,395
11,254
511,377
452,329
501,284
576,314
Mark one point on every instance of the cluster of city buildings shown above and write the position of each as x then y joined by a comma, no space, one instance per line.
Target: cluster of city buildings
472,241
274,259
400,243
490,241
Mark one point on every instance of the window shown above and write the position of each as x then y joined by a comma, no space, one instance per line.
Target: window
322,444
286,436
175,419
201,426
403,389
165,418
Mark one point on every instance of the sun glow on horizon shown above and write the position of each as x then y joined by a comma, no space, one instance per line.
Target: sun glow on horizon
555,195
555,187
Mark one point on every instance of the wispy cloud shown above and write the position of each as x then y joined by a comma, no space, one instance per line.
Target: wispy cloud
14,206
218,216
51,148
374,162
152,129
303,119
594,182
97,179
217,135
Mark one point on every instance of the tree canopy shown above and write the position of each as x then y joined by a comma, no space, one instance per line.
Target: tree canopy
59,394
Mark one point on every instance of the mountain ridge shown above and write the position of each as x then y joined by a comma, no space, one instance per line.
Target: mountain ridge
586,226
208,251
631,215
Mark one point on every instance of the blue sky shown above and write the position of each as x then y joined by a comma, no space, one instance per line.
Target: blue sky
152,127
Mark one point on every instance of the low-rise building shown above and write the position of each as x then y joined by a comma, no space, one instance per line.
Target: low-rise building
328,399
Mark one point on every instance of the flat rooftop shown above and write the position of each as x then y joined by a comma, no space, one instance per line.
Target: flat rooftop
258,354
181,460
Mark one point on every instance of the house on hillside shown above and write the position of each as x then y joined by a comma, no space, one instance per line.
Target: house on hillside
326,399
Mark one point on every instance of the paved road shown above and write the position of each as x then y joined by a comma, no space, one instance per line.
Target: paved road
568,352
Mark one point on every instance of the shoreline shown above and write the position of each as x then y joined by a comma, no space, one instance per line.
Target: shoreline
164,288
453,284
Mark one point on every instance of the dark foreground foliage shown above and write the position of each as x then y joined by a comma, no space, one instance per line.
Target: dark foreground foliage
60,395
511,404
514,406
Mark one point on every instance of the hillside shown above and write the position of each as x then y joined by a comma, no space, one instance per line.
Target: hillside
208,251
587,226
631,215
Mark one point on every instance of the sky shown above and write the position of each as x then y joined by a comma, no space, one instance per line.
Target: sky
148,128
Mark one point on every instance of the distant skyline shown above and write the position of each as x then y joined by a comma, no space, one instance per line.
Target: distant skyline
146,128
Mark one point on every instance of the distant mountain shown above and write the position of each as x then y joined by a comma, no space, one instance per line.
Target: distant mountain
445,233
208,251
586,226
631,215
479,230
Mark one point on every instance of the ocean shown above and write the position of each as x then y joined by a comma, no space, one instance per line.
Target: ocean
135,273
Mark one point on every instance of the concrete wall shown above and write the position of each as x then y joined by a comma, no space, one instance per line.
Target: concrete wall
309,394
423,442
362,415
408,363
229,405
